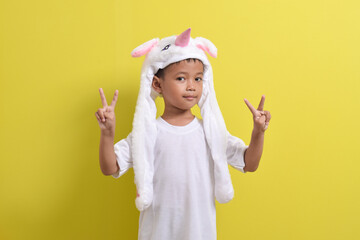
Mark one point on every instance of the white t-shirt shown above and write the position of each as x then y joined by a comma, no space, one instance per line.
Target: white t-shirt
183,206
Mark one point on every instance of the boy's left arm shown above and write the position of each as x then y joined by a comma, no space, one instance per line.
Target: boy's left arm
261,122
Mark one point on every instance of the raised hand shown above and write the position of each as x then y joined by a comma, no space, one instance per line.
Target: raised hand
106,114
261,117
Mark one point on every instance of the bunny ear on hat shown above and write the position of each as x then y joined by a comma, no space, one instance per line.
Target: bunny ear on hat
144,48
206,45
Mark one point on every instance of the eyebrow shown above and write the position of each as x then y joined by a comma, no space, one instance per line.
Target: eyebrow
188,73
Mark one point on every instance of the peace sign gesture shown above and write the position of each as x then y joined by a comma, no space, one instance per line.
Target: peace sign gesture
106,114
261,117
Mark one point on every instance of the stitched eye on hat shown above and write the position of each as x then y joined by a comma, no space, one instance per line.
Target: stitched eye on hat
166,47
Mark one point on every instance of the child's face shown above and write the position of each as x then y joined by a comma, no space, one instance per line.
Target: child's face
181,85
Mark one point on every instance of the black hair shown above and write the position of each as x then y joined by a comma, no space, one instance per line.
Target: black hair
160,72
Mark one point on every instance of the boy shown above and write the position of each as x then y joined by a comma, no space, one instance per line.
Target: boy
179,165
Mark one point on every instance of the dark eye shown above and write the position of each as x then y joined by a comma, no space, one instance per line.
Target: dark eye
198,79
166,47
180,78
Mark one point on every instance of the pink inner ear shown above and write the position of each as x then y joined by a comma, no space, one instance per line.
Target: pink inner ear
206,49
144,49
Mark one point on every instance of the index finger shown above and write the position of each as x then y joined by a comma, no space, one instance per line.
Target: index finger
102,96
252,109
261,104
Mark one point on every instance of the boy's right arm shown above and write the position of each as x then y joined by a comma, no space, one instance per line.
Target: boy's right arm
107,158
106,119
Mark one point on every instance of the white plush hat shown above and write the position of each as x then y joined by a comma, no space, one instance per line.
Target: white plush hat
159,54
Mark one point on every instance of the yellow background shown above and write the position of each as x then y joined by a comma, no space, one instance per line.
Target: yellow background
303,55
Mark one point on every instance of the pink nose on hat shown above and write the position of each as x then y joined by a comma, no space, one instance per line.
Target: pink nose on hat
183,39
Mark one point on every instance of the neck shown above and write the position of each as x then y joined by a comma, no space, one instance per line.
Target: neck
178,118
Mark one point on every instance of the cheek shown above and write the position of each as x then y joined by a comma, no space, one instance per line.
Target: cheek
173,89
200,87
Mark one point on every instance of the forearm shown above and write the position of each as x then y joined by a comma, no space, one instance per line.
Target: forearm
107,156
254,151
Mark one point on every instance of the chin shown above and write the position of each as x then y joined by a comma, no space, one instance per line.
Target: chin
186,107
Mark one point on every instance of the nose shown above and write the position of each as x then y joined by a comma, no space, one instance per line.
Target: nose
190,85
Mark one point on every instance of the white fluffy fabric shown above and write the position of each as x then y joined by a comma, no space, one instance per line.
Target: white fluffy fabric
159,54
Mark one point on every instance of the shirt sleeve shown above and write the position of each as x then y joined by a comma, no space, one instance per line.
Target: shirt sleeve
123,156
235,152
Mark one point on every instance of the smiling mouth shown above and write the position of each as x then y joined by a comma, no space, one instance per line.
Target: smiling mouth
190,97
